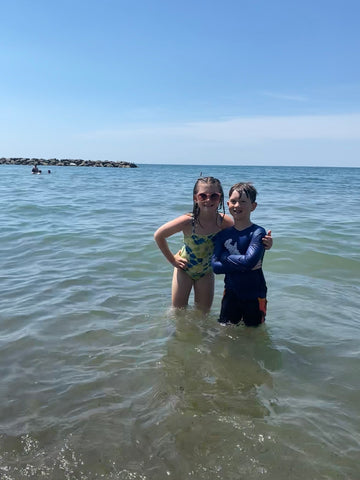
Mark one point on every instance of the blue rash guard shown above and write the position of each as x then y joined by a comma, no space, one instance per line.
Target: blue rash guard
236,253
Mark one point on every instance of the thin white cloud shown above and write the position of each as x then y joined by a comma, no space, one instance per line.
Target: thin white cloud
285,96
242,130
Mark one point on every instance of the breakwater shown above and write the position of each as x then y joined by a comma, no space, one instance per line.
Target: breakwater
65,162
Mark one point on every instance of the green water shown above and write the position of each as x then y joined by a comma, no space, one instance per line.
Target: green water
101,380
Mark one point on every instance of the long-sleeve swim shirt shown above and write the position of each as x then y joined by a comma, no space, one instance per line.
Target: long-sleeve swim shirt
236,253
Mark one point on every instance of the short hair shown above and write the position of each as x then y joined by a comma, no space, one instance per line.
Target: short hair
244,187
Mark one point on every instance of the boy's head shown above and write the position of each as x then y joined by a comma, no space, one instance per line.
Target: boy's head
242,202
247,188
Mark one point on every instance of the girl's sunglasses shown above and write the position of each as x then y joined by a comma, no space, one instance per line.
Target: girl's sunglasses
212,196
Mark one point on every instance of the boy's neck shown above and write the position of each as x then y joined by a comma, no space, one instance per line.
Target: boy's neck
242,224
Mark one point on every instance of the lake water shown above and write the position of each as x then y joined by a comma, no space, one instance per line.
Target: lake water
99,379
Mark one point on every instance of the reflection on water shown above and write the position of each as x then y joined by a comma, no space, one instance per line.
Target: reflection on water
217,369
207,396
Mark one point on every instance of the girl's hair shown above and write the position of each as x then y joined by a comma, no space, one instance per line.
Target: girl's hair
208,181
247,188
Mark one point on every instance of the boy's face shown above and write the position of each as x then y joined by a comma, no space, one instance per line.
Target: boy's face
240,206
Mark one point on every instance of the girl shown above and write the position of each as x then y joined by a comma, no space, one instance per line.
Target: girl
192,264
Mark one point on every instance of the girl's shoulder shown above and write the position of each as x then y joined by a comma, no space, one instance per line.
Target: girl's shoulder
178,224
184,219
187,217
225,221
188,223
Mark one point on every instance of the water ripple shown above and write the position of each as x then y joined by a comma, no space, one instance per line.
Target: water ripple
100,379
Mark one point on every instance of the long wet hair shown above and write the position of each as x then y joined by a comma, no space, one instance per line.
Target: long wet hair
208,181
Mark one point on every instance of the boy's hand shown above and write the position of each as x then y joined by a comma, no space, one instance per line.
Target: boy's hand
268,241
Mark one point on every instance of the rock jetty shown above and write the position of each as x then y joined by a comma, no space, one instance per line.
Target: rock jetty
54,162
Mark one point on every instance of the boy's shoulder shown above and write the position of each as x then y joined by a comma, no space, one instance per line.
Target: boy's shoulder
258,228
232,232
255,231
225,233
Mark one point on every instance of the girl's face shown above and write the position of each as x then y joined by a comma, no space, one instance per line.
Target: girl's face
207,196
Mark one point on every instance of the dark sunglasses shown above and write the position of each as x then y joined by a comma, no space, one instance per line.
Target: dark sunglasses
212,196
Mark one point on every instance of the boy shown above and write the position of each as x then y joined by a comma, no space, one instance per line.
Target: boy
238,253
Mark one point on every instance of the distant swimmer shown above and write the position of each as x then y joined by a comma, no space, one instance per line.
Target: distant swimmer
49,171
35,169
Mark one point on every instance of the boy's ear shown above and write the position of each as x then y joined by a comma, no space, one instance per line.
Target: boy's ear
254,205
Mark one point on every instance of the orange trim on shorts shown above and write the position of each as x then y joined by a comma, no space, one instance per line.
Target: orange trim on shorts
262,307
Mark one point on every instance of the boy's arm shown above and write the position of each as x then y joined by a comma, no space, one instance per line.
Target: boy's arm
251,259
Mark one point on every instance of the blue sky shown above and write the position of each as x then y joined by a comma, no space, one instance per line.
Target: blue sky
246,82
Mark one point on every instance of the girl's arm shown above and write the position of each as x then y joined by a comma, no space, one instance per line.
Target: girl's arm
165,231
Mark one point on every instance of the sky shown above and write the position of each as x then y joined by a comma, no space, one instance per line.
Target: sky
227,82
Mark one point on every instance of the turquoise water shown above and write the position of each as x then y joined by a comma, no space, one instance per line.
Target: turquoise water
100,380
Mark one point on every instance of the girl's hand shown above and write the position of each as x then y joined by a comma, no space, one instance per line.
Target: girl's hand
268,241
180,262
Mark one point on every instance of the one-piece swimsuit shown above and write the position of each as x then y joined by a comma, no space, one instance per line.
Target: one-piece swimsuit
197,250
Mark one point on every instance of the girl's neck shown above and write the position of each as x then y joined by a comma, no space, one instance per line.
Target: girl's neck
207,222
208,216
